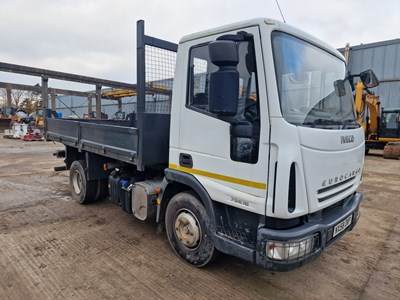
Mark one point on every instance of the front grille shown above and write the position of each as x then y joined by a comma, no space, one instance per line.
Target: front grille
323,190
335,189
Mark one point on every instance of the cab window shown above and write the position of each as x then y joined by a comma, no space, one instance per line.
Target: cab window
244,149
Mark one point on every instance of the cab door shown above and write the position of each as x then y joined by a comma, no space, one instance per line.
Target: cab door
390,127
228,156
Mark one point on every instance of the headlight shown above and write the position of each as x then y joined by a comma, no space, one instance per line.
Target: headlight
292,250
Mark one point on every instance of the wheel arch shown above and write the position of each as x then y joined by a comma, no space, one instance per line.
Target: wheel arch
176,182
72,154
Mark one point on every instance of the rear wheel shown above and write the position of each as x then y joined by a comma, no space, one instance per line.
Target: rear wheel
101,189
82,190
189,230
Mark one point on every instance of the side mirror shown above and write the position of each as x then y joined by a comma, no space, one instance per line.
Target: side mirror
369,79
340,89
224,83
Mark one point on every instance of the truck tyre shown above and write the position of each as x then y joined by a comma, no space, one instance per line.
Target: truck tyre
83,191
189,230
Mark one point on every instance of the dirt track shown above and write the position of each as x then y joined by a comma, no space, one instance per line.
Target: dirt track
52,248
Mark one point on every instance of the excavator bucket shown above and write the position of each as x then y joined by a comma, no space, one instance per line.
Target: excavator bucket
392,150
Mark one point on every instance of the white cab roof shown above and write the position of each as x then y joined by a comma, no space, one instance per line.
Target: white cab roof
274,24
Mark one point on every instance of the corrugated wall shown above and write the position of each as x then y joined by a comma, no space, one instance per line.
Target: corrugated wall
384,59
389,94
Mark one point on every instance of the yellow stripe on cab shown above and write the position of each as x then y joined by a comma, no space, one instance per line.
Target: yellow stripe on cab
253,184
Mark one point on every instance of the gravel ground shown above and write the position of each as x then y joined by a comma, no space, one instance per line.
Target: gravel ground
53,248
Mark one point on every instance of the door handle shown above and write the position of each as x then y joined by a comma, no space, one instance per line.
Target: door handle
185,160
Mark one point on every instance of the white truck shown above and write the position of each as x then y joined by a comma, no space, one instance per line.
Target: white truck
256,152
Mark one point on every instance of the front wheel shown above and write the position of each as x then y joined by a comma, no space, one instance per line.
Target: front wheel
189,230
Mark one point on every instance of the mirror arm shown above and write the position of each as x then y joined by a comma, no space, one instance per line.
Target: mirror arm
368,91
350,78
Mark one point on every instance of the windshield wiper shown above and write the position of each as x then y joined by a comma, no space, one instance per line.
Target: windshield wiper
344,123
322,122
347,122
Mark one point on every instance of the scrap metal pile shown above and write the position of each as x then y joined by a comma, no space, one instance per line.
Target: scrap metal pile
20,125
23,131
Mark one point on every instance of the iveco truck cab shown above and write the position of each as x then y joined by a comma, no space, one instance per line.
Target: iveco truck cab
281,160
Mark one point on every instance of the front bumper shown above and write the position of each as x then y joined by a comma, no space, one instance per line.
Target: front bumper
321,225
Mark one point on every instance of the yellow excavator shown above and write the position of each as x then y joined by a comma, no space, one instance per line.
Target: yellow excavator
5,116
381,126
38,118
8,115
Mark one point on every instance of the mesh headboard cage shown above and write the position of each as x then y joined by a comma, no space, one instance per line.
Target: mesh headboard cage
159,70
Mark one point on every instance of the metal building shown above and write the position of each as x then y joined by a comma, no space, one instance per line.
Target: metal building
384,59
77,107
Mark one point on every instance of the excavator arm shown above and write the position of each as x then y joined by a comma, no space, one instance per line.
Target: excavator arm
367,108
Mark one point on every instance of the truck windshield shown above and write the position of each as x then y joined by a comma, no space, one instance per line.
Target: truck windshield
311,84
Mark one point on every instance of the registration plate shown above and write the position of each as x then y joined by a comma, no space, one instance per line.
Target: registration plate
342,225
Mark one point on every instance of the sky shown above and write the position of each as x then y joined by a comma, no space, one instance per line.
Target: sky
97,38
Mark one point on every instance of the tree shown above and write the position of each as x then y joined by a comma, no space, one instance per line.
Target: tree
17,97
31,102
20,99
3,97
